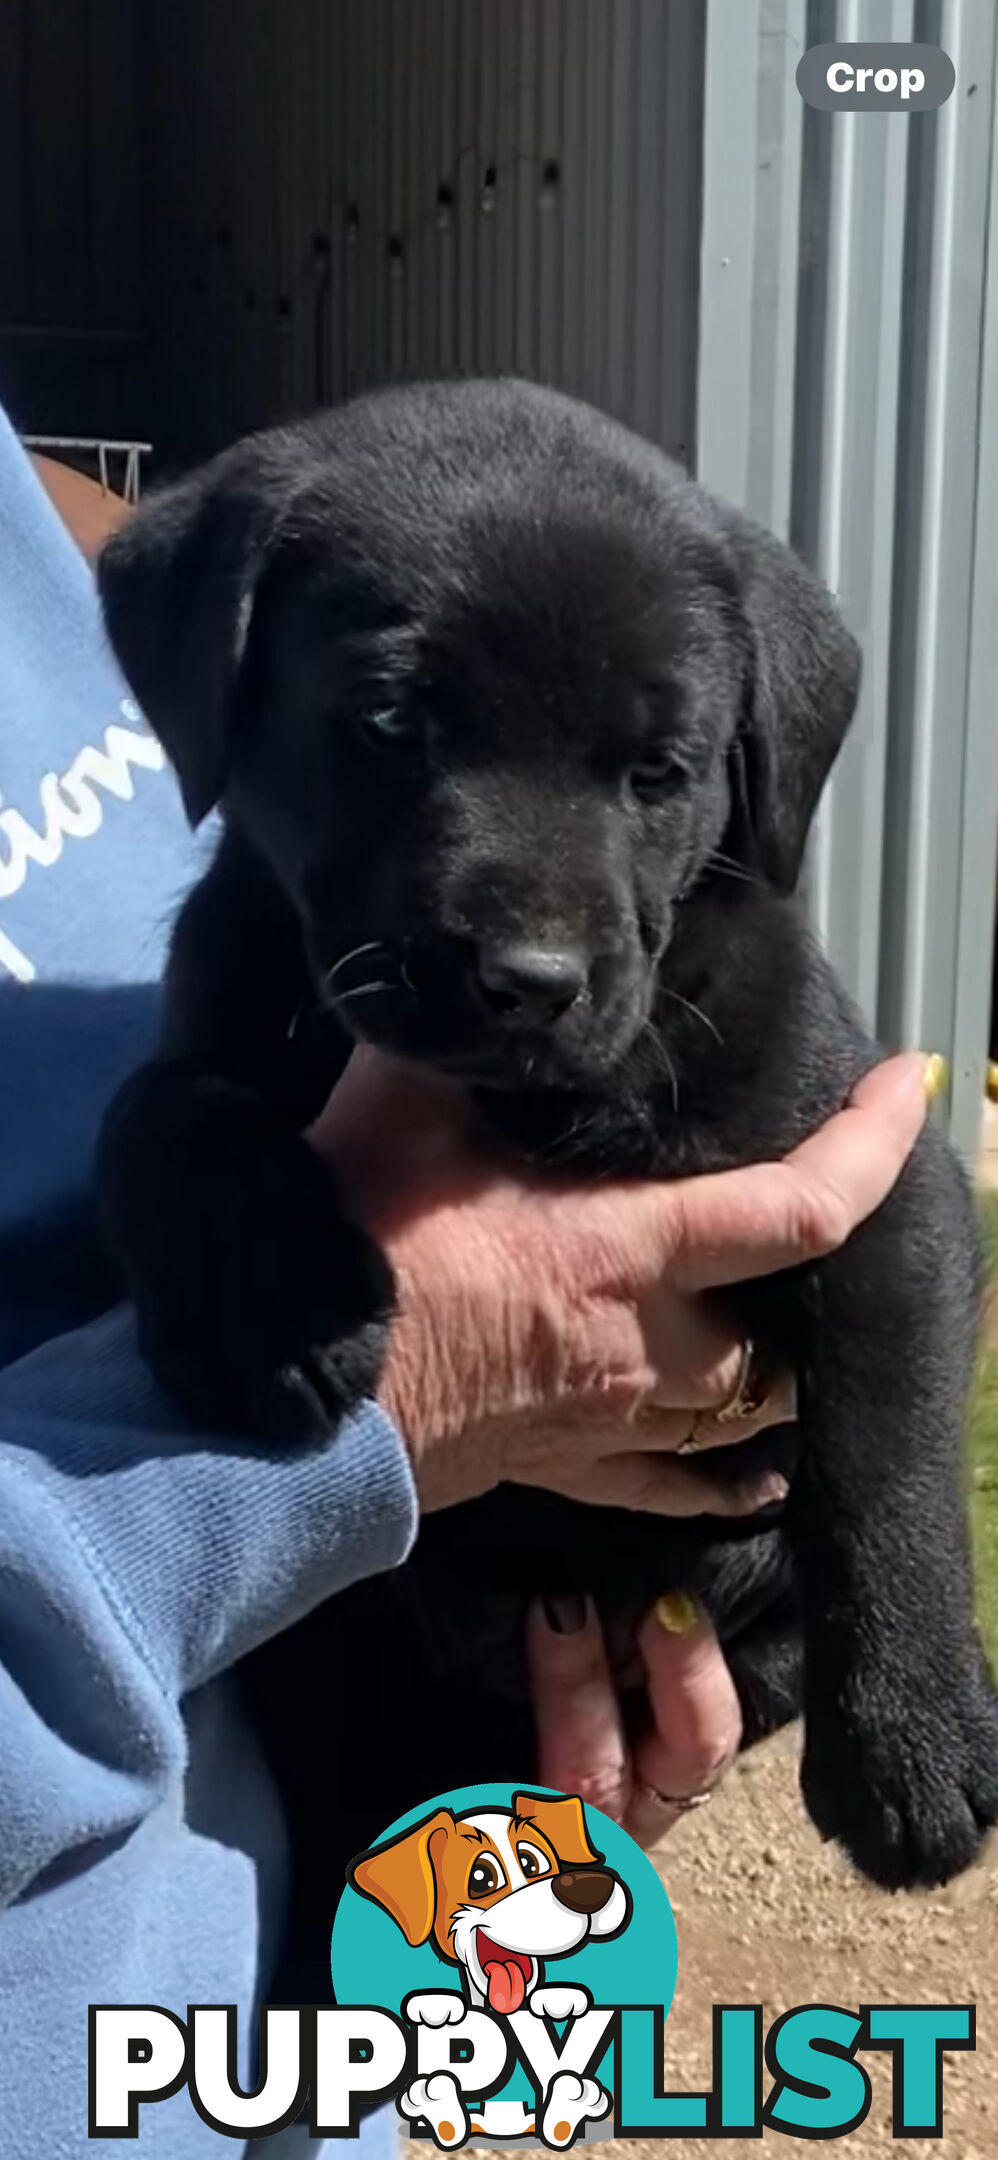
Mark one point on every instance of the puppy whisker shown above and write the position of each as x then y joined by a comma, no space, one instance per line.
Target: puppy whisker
731,862
698,1014
572,1142
364,990
725,866
374,945
308,1003
660,1058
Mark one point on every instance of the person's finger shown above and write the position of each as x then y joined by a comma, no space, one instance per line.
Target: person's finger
693,1344
729,1226
580,1738
696,1721
659,1485
777,1215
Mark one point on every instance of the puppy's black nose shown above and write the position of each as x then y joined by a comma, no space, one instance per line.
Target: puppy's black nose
584,1889
531,983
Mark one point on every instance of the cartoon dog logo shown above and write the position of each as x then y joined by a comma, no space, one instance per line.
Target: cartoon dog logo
499,1892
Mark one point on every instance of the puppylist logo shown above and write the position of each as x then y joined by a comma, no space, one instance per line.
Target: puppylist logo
503,1963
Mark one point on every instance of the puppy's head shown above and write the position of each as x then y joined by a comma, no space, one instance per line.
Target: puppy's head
497,1891
488,683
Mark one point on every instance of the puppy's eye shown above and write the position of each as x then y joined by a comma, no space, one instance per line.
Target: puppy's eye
486,1876
658,774
386,727
532,1862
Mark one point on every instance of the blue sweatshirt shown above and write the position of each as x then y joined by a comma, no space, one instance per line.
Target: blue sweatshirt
142,1851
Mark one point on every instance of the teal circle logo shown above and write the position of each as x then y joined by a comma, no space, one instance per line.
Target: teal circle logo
500,1900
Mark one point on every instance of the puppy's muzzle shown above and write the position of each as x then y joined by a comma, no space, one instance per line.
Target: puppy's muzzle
583,1890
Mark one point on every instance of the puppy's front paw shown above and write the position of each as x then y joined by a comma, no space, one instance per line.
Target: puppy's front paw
261,1306
300,1391
906,1779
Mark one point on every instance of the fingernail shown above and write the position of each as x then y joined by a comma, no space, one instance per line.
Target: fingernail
771,1488
678,1612
565,1616
935,1076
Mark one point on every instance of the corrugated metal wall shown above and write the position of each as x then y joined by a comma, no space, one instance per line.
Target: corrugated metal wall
73,208
379,189
295,199
871,287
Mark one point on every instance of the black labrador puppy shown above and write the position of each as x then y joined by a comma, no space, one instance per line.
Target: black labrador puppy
517,735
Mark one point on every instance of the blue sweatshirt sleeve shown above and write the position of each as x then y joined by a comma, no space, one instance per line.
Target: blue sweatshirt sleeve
136,1562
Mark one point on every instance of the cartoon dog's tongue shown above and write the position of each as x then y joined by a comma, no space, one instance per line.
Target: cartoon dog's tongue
506,1974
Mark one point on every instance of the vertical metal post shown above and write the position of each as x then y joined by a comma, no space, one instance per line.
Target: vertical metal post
978,836
727,248
938,846
749,254
846,419
855,258
777,243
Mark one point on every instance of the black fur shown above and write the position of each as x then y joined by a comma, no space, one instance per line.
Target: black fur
472,670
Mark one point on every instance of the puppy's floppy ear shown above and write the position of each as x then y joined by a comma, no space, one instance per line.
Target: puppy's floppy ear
177,584
401,1877
803,669
562,1822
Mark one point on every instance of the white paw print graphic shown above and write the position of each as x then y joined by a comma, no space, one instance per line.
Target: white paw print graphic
571,2101
438,2099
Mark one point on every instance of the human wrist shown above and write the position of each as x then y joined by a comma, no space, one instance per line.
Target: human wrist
448,1466
468,1344
453,1399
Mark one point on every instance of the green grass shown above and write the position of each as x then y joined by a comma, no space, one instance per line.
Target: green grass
987,1216
984,1451
984,1495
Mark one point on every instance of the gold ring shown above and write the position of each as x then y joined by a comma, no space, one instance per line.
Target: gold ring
750,1393
679,1803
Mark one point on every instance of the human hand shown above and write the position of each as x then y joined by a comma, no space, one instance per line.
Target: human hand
535,1321
693,1728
